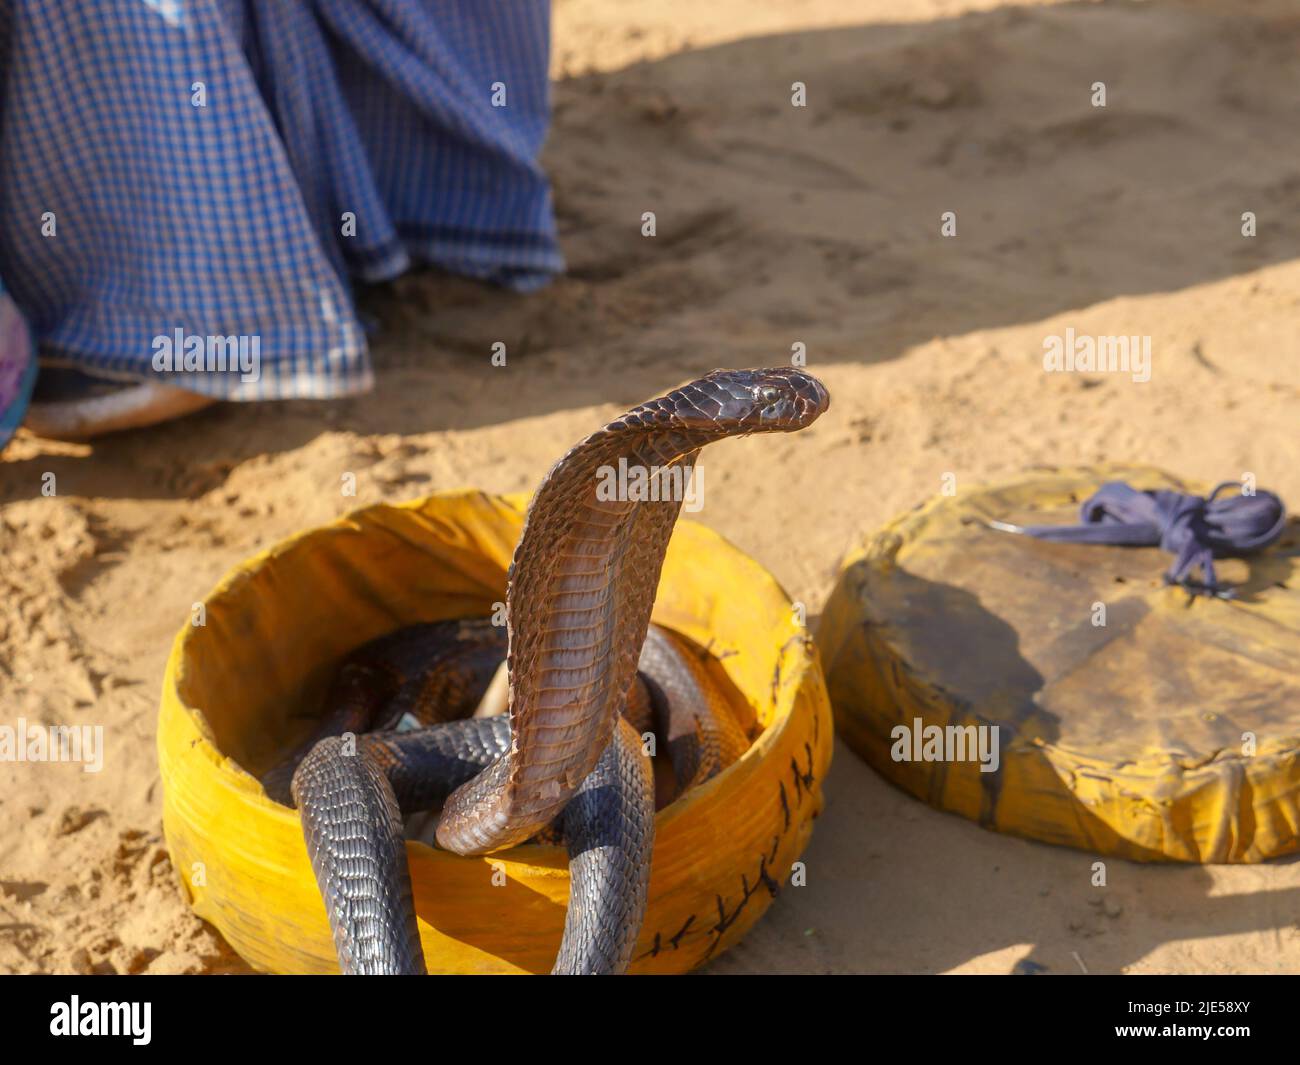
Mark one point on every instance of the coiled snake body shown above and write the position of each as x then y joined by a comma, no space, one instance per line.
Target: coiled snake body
581,587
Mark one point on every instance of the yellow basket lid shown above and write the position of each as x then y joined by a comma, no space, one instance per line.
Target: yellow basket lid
1063,692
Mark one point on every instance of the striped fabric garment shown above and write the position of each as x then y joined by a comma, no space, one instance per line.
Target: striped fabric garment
181,169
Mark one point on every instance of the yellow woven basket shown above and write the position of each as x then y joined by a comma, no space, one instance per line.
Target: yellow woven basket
243,680
1132,721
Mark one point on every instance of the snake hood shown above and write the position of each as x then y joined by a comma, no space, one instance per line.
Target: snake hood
580,591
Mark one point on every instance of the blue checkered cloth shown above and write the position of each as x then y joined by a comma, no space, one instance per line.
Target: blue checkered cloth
226,168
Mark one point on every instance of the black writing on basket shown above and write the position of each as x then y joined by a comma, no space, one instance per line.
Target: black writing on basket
804,783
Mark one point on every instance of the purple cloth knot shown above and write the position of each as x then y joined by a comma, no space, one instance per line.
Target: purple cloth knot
1195,530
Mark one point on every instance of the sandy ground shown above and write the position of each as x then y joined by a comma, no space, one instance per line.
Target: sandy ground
776,225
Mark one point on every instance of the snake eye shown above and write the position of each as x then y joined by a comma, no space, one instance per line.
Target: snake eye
768,395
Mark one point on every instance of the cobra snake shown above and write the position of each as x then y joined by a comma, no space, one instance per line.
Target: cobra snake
587,676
